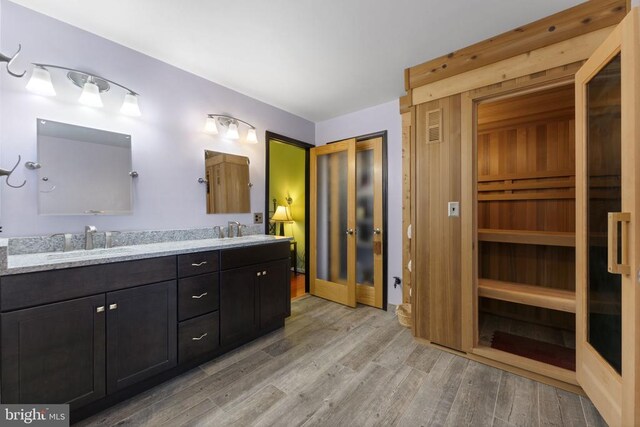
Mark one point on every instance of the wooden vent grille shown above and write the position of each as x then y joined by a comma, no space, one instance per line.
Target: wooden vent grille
434,126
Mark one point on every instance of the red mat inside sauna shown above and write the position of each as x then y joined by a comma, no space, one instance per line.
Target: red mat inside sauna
541,351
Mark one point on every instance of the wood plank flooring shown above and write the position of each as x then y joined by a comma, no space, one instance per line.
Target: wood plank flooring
333,366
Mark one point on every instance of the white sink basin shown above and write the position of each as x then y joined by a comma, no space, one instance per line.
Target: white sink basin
84,253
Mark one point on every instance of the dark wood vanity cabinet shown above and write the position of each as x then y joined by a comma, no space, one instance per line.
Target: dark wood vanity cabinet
91,336
141,333
55,353
254,296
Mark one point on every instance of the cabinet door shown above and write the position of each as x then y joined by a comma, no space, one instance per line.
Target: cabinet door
607,232
54,353
237,304
272,292
141,333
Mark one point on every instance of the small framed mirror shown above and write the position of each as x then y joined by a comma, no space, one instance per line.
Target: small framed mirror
228,183
83,171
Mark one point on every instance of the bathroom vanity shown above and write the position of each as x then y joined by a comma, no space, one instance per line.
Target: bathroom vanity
95,328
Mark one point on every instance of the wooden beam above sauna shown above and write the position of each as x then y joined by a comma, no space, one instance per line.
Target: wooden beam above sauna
583,18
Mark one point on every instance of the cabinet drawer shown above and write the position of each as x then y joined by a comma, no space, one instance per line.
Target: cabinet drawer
198,295
32,289
250,255
197,263
197,337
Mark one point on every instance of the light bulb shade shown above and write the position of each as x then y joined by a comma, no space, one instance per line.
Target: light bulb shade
130,106
281,215
252,138
40,82
90,95
211,126
232,132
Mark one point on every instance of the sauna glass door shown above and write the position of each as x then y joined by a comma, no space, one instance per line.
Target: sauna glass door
607,177
333,226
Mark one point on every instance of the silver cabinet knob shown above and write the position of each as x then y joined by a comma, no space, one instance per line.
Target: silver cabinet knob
376,231
350,231
264,273
258,274
113,306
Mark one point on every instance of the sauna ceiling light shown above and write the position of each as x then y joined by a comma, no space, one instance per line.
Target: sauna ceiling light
92,86
229,127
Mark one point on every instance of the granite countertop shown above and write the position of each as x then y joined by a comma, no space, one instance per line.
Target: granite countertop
26,263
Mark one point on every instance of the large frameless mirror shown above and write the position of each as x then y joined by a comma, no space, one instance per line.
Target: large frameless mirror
83,171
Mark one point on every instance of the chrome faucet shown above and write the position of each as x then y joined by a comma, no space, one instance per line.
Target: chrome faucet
220,231
67,241
89,232
230,225
240,227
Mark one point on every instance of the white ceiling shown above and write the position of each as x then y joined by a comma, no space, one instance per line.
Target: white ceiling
316,59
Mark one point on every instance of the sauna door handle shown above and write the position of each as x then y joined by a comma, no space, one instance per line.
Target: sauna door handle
612,240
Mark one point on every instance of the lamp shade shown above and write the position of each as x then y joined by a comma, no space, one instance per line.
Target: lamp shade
90,95
281,215
232,132
211,126
40,82
252,138
130,106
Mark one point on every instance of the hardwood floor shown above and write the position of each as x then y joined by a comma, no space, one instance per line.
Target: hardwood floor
331,366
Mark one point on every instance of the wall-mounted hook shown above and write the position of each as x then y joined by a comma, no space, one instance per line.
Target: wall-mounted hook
134,174
9,60
7,173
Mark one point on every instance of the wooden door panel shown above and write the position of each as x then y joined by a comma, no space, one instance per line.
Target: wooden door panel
437,302
332,222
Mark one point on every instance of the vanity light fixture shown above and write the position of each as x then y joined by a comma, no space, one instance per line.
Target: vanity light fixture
231,124
92,87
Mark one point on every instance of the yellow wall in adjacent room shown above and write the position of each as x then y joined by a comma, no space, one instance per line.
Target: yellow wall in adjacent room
286,177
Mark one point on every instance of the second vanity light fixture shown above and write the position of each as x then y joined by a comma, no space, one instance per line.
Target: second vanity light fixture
92,86
230,124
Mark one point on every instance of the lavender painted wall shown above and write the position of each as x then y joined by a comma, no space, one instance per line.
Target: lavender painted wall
381,117
167,141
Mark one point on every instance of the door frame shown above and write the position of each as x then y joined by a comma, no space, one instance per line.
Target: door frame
306,147
385,238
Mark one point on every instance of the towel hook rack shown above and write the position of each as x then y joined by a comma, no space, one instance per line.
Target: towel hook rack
7,173
9,60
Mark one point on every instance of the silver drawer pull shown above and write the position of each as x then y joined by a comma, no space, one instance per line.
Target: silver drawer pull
113,306
200,337
100,309
264,273
200,264
199,296
258,274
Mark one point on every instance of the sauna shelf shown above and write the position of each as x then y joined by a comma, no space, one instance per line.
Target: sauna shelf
526,237
537,296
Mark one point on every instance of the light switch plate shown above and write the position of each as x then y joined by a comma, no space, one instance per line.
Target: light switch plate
453,209
257,218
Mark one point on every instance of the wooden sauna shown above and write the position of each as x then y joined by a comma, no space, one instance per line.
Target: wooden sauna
525,207
494,128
